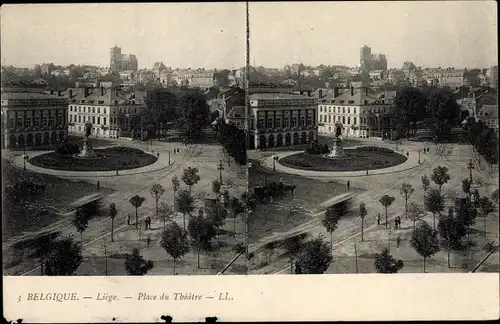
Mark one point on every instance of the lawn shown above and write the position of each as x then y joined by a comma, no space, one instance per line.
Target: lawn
94,142
59,193
322,139
358,159
288,212
109,159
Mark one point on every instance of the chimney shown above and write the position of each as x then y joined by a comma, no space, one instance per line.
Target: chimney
320,94
352,90
70,93
86,91
309,93
366,91
335,92
102,90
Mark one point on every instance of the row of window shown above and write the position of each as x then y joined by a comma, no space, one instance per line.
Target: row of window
342,110
87,109
342,119
286,122
36,122
84,119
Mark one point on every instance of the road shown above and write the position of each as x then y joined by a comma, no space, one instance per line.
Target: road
453,156
204,157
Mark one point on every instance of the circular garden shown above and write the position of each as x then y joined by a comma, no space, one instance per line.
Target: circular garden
107,159
357,159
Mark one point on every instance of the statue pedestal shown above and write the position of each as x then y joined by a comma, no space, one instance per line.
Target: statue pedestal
337,150
87,151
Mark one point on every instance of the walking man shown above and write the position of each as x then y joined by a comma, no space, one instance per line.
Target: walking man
148,240
128,219
116,172
97,185
348,184
158,155
378,219
398,240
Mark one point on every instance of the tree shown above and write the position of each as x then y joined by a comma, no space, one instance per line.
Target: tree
434,202
386,201
362,215
386,263
201,231
467,216
406,191
425,241
217,216
452,231
112,214
190,177
193,114
175,242
466,184
425,183
175,184
157,191
494,196
216,186
160,105
38,246
80,221
486,207
415,212
236,207
185,204
165,213
410,108
137,202
442,112
330,222
64,258
136,265
293,246
315,257
440,176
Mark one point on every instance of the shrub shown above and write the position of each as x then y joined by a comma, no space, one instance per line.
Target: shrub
375,149
67,148
125,149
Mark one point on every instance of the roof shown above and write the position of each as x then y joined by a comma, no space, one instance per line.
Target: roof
275,95
109,95
359,96
28,95
408,66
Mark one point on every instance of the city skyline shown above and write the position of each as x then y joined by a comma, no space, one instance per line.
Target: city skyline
333,33
179,35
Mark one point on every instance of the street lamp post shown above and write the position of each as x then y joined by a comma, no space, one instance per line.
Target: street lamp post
220,168
168,157
389,240
419,156
275,158
470,166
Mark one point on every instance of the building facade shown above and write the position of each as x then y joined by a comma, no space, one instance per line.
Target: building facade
199,78
113,113
33,118
121,62
362,112
451,78
489,115
281,119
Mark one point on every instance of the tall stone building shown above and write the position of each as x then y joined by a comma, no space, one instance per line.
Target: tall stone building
121,62
369,62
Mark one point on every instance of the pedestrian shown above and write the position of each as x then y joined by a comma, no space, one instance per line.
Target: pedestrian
378,219
399,222
396,223
97,185
149,222
148,240
348,184
366,172
398,240
128,219
158,155
146,223
116,172
407,154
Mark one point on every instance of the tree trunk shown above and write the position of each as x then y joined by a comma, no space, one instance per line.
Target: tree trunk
484,227
199,247
291,265
164,224
414,224
468,239
406,206
41,266
424,264
449,247
386,222
112,228
136,218
174,266
362,228
81,236
184,220
434,220
217,239
234,226
156,205
331,242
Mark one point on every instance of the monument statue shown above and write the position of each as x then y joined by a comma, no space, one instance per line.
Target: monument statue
88,129
337,149
87,152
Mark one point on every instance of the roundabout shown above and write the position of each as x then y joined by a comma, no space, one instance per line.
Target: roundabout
358,159
106,159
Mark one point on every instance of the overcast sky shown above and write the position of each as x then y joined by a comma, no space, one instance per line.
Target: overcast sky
210,35
430,34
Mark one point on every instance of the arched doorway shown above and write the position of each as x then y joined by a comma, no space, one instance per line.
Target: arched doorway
61,136
288,139
262,141
53,137
271,140
295,138
20,141
12,141
311,137
279,140
29,140
46,138
303,138
38,139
